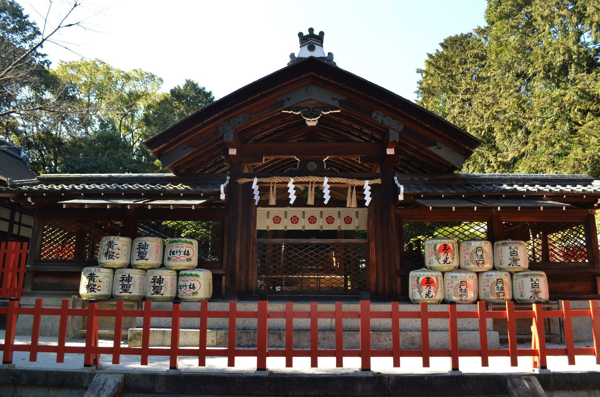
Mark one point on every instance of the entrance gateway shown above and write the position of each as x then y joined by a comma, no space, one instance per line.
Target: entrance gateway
312,180
320,250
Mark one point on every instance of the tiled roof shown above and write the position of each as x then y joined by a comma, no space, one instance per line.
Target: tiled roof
13,164
119,183
497,184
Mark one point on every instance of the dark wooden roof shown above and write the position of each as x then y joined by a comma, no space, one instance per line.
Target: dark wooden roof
117,183
426,143
507,184
12,163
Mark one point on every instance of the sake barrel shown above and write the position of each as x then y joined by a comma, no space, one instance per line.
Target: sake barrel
476,255
161,284
495,286
441,254
181,253
460,286
530,287
129,284
194,285
114,252
510,256
96,283
426,286
147,252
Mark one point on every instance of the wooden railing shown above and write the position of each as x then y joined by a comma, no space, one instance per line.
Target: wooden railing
13,257
91,351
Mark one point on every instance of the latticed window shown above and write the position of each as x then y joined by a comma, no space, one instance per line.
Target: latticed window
76,239
208,234
550,241
416,233
312,266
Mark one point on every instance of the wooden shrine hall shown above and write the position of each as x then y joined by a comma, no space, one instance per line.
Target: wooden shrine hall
312,182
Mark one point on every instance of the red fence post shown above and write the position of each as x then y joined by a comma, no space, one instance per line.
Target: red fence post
289,334
35,330
339,335
314,334
595,317
424,333
147,323
569,339
202,342
453,337
483,336
11,330
538,337
62,331
396,334
365,335
118,334
90,356
175,327
231,334
512,333
262,335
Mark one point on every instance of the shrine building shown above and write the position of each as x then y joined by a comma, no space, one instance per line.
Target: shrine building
311,182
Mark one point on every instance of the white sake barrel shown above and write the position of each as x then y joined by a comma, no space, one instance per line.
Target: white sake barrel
460,286
495,286
181,253
147,252
194,285
441,254
476,255
96,283
530,287
510,256
114,252
128,284
161,285
426,286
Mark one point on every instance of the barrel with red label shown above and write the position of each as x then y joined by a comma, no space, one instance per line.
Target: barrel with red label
441,254
426,286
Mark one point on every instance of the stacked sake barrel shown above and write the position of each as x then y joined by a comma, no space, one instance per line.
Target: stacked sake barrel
442,279
146,278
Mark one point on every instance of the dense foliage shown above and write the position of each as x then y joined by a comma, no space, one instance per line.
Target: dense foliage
82,116
527,85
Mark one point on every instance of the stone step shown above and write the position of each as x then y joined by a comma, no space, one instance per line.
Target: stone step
247,339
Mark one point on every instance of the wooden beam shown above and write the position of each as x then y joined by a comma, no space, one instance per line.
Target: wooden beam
331,149
234,145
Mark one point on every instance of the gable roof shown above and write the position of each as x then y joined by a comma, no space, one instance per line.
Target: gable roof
367,113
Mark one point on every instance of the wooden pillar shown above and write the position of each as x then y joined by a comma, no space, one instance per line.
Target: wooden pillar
233,222
384,249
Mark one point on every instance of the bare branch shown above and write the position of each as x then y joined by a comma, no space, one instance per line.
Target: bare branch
61,25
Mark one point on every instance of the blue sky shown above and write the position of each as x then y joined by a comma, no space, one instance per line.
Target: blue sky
225,45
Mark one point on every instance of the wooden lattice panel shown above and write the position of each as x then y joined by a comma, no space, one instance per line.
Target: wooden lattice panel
312,266
76,239
416,233
550,241
208,234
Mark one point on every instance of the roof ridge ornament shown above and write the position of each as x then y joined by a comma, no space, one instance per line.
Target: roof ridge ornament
311,45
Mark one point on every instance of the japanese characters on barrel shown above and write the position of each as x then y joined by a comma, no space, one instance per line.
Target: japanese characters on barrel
476,279
146,278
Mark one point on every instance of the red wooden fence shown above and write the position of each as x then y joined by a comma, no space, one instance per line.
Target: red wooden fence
12,269
539,352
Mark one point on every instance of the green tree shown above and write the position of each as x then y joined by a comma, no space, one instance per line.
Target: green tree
528,85
180,102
